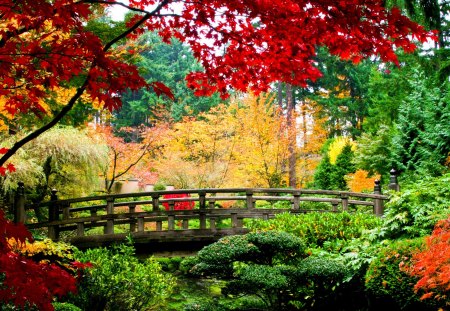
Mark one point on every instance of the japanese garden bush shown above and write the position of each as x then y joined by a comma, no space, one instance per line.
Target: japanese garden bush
431,266
119,281
387,282
65,306
414,211
272,266
317,228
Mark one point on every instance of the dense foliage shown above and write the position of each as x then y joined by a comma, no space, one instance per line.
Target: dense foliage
119,281
387,281
271,266
414,211
28,277
431,266
317,228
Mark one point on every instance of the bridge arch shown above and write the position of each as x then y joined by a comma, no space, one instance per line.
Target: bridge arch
101,220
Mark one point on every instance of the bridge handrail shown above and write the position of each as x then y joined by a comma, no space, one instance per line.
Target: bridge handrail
213,191
165,220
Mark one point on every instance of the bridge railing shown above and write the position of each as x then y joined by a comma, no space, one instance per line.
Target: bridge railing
154,212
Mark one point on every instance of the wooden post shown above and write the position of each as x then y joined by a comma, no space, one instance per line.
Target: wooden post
132,209
140,222
19,204
296,202
202,199
53,215
377,203
202,205
234,220
344,199
249,195
334,205
65,210
80,228
109,229
212,224
171,217
393,181
155,202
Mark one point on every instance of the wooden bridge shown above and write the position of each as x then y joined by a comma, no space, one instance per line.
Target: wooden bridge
156,223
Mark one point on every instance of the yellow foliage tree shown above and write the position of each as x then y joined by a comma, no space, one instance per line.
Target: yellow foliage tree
337,145
262,148
242,144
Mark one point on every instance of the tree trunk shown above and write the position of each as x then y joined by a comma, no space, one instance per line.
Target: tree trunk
290,118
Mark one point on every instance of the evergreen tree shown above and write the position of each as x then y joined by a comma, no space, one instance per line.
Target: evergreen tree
344,165
324,171
422,139
169,64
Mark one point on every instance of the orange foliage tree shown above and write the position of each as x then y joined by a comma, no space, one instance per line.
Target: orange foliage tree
125,157
311,135
360,181
432,265
197,152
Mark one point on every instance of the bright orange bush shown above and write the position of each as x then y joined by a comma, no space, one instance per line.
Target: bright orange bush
432,265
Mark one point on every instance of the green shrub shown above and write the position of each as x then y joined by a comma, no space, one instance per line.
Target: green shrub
118,281
413,212
317,228
65,306
387,284
270,266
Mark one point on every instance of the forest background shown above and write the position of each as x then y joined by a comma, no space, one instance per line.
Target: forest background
351,126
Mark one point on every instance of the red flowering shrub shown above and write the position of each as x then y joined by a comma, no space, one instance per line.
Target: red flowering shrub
178,205
432,265
25,282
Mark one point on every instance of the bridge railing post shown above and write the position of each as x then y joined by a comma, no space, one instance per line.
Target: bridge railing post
202,206
296,202
344,200
202,199
19,204
132,209
109,228
171,217
53,215
393,181
377,203
155,202
249,199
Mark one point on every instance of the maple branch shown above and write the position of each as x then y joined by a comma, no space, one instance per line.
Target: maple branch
47,126
134,163
66,109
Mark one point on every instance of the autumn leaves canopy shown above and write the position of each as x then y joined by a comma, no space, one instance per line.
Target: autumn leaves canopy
45,46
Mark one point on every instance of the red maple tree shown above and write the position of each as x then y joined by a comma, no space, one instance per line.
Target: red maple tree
240,43
25,282
187,205
432,265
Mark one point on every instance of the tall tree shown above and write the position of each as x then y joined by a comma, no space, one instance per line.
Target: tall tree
262,42
422,139
168,63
